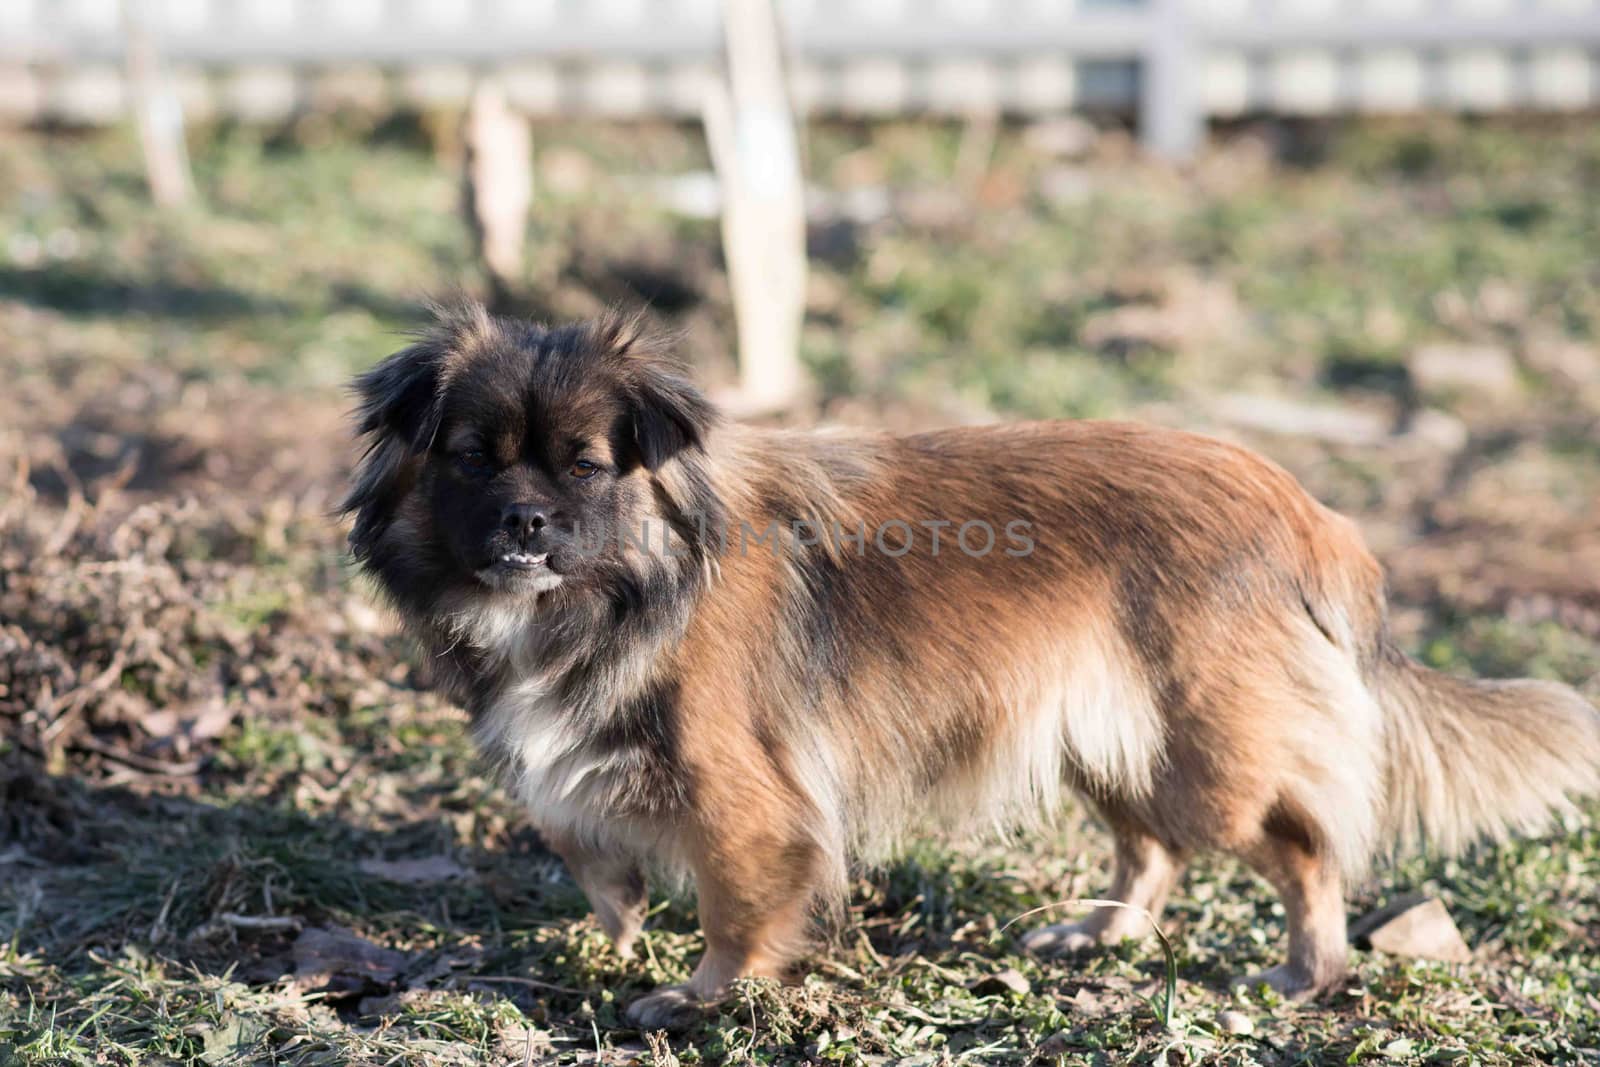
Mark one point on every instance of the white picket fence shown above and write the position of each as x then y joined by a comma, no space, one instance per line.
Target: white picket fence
749,69
1176,62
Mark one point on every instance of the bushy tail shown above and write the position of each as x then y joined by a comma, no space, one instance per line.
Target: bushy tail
1472,759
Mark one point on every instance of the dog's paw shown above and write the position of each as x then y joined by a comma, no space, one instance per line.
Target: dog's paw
672,1008
621,918
623,932
1060,939
1288,981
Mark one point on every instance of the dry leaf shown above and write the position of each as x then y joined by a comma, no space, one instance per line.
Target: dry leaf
341,961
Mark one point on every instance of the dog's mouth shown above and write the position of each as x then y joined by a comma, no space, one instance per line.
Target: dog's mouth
520,572
523,561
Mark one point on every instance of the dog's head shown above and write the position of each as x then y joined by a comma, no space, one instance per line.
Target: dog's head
509,459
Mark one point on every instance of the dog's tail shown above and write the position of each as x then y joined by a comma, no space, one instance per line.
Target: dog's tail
1469,759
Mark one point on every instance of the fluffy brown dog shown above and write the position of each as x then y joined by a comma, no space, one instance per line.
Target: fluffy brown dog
757,656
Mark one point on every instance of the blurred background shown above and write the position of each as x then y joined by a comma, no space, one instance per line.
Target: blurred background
1360,236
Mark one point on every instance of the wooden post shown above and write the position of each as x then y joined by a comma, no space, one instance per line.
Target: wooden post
499,163
1171,115
750,129
157,111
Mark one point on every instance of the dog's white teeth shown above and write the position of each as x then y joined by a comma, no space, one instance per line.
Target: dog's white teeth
522,558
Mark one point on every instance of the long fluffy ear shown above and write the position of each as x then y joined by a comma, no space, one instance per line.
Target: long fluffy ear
400,402
398,414
400,396
669,413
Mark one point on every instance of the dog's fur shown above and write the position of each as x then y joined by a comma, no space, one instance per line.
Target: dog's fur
1176,631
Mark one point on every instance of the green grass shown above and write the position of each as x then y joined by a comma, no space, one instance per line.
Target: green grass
225,330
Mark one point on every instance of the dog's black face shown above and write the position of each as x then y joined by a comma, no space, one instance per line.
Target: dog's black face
508,459
533,470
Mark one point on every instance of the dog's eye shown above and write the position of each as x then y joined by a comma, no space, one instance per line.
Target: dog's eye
582,468
474,460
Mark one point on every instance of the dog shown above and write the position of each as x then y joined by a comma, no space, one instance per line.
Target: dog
756,657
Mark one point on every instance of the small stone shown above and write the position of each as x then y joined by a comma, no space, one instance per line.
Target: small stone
1325,422
1424,931
933,208
1236,1023
567,171
1486,370
1568,362
1061,138
362,617
1438,430
1502,302
1067,185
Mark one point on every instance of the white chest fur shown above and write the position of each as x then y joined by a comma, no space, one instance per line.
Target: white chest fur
550,760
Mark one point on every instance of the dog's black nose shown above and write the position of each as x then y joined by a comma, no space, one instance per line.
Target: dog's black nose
525,520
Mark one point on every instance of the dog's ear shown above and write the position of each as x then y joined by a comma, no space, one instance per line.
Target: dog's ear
398,414
400,403
669,415
667,412
399,397
403,396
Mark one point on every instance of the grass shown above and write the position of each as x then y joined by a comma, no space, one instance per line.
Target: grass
264,762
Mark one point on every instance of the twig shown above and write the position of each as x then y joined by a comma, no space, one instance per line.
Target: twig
835,967
750,1003
71,516
68,705
917,1013
259,922
531,983
864,943
158,929
231,922
136,761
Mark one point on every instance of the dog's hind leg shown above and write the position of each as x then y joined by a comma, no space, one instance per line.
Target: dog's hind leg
614,884
1145,873
1309,883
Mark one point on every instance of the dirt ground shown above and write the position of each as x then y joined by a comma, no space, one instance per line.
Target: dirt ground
237,827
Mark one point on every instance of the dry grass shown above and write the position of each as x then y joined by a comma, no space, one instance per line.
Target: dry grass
236,827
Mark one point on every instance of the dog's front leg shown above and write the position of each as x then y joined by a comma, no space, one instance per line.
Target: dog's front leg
614,884
755,890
